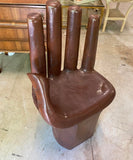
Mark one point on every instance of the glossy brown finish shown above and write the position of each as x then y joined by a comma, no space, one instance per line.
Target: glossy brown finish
76,92
73,136
90,44
72,39
66,99
36,40
54,36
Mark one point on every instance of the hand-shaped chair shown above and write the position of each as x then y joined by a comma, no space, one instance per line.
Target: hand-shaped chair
70,100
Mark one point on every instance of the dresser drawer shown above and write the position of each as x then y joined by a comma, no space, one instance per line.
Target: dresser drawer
15,34
14,46
19,14
12,34
13,26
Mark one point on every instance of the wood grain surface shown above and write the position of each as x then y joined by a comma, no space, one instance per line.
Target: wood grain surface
23,1
13,23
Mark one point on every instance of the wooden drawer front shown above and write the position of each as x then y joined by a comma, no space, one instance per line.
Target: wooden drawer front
14,46
15,14
13,34
24,1
7,34
13,26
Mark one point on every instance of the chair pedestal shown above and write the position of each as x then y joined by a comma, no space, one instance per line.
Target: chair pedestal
75,135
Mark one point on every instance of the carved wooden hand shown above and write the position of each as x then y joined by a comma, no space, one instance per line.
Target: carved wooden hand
66,97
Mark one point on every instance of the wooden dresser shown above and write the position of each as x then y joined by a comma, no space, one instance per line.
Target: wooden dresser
13,20
13,23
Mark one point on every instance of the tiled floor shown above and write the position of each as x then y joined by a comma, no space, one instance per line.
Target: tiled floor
25,136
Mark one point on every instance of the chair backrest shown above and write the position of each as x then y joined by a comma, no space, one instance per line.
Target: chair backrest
54,40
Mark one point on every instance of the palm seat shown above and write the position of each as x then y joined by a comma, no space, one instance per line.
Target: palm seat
90,90
69,100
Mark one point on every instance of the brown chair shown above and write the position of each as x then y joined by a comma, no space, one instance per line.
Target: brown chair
70,100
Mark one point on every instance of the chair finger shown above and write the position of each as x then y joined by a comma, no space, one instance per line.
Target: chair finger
91,43
36,40
54,36
73,36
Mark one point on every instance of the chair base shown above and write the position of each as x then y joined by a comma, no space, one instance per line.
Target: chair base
75,135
